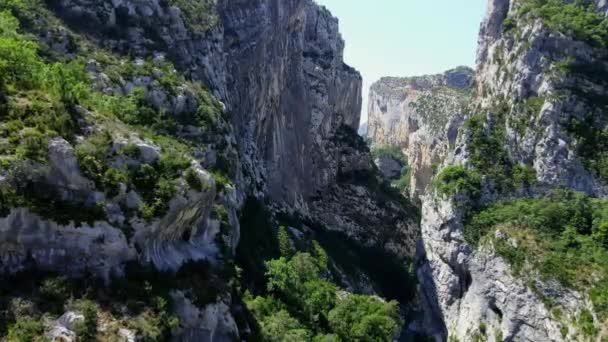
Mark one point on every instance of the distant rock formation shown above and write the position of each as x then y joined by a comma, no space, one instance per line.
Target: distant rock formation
422,116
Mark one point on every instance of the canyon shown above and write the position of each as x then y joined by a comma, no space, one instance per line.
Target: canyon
188,170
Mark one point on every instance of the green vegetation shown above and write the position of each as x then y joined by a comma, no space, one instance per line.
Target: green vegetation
140,301
266,247
488,157
87,330
436,108
302,305
403,183
561,236
285,246
42,99
487,147
587,324
154,182
26,330
44,297
581,21
592,141
391,151
577,19
457,179
193,180
199,15
525,113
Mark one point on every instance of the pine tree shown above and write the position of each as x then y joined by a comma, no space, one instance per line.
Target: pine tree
285,246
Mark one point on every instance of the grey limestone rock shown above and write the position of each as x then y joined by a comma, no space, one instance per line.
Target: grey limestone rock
421,115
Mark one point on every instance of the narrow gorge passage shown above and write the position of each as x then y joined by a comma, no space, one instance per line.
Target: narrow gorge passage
192,170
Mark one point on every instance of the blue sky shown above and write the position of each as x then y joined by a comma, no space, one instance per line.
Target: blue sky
407,37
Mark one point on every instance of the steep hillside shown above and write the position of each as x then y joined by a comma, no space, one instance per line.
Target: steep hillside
420,115
169,168
514,231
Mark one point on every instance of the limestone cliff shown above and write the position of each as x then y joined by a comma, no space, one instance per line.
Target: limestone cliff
532,86
421,115
239,99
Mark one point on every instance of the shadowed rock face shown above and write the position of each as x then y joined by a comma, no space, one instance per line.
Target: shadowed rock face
289,92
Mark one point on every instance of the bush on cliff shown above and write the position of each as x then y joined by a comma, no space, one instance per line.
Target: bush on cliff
457,179
576,18
561,236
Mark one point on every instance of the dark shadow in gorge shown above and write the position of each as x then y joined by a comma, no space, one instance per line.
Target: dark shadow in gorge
433,320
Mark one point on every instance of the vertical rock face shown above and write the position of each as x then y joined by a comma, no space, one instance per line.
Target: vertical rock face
290,91
518,81
422,116
294,106
296,109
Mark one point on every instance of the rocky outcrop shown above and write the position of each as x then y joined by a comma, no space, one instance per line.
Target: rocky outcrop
293,108
389,167
296,108
519,82
421,115
102,247
63,328
361,198
213,323
467,291
289,94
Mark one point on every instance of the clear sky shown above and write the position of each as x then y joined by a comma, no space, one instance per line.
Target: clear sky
407,37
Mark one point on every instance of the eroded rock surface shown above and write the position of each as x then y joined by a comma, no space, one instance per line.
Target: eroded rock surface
421,115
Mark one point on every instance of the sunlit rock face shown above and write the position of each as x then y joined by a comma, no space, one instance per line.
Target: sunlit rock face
517,82
422,116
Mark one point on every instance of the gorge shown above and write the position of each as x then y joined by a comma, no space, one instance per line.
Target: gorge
190,170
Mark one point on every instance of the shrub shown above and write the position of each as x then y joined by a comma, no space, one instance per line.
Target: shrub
578,19
155,324
285,246
26,330
68,82
525,175
112,179
19,63
34,146
456,179
557,235
302,302
55,289
403,183
193,180
592,141
87,330
157,201
486,147
586,322
601,234
358,318
221,180
199,15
